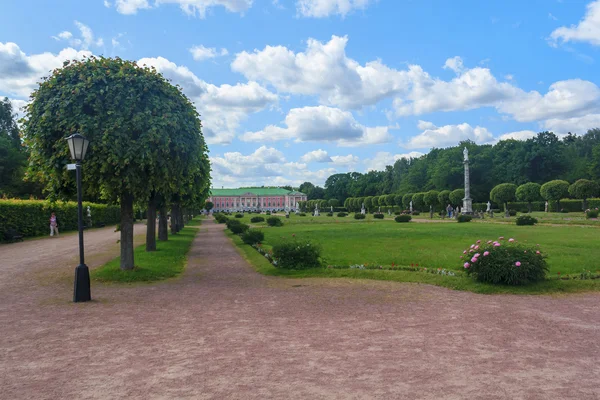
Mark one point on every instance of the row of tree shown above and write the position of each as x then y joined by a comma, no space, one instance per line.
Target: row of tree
540,159
146,144
501,194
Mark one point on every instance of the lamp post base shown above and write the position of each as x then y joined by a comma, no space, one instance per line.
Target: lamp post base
82,284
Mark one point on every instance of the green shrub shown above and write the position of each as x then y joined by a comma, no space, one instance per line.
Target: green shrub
253,236
255,220
220,218
403,218
464,218
268,213
31,217
236,226
416,212
512,213
505,262
330,214
359,216
564,211
341,214
297,254
592,213
302,214
274,221
526,220
238,215
378,216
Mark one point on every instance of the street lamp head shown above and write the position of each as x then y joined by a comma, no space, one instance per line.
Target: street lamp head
78,146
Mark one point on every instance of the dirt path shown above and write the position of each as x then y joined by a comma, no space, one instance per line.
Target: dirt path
221,331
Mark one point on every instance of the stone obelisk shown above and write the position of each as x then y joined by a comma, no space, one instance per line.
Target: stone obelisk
467,207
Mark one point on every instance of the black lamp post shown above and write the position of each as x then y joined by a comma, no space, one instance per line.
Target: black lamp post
78,146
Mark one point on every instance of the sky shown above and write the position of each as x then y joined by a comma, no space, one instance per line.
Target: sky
297,90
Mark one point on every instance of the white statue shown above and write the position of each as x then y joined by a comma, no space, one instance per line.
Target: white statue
489,206
331,208
89,212
410,206
466,154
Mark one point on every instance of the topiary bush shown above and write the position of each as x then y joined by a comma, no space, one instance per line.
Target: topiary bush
341,214
220,218
512,213
253,236
330,214
592,213
268,213
302,214
238,215
297,254
255,220
236,226
464,218
359,216
274,221
504,262
526,220
403,218
378,216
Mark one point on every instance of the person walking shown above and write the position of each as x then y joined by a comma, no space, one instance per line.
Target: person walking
53,225
449,209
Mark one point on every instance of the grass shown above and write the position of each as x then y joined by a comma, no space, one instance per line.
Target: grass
570,250
167,261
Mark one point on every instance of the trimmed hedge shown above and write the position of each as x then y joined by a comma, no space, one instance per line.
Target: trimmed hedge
274,221
403,218
32,217
255,220
359,216
526,220
464,218
341,214
378,216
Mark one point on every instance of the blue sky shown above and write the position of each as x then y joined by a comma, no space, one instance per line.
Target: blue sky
296,90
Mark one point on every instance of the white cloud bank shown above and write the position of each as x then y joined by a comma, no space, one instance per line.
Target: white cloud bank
326,8
189,7
587,30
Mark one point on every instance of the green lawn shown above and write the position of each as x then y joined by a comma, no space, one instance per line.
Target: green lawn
167,261
345,241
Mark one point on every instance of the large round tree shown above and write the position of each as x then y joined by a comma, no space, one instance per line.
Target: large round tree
457,196
142,131
444,198
554,191
529,192
584,189
503,193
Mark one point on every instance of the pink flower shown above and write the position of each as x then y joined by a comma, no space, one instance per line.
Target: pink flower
474,259
476,247
501,238
465,252
476,255
496,244
486,253
525,251
479,241
472,245
467,265
489,242
511,240
518,263
537,252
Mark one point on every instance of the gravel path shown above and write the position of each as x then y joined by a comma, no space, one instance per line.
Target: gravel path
222,331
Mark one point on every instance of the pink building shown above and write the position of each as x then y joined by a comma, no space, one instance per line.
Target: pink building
271,199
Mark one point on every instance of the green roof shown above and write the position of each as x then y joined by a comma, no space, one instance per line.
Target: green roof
260,191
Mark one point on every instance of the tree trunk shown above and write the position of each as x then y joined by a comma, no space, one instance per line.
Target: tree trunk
151,224
557,205
174,218
506,214
585,207
163,224
180,223
529,206
127,260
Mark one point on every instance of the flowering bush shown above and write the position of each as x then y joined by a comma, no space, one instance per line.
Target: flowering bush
403,218
378,216
274,221
591,213
297,254
254,220
253,236
504,262
359,216
526,220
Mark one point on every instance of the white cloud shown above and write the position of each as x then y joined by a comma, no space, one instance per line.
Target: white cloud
319,156
323,69
321,124
222,108
107,4
579,125
519,135
86,40
384,158
552,17
347,161
455,64
19,73
189,7
449,135
325,8
201,53
422,125
588,29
